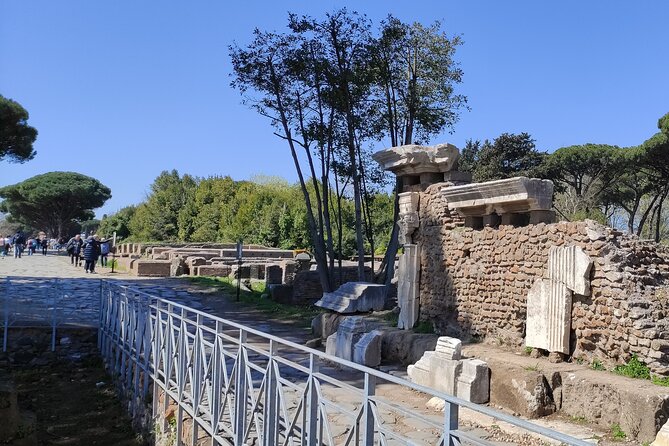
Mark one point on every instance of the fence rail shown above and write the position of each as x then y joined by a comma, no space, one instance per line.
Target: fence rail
235,385
29,302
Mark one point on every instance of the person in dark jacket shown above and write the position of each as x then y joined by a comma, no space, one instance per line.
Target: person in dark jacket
73,248
91,253
19,242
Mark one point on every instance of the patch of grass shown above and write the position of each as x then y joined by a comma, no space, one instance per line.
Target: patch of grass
578,419
392,318
633,369
533,368
617,433
528,350
660,380
228,287
597,365
425,327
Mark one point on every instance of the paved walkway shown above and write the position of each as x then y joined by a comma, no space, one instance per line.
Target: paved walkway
45,276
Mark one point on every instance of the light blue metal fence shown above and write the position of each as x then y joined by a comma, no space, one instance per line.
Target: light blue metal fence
29,302
235,385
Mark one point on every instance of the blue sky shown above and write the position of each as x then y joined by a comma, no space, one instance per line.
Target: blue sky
123,90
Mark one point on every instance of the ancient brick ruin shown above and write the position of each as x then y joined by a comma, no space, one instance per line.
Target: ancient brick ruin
474,252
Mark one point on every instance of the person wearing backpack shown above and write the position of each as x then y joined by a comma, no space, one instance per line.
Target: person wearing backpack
104,252
73,248
91,252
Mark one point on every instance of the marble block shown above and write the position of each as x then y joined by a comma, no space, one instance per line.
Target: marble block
367,351
571,266
354,297
474,381
548,316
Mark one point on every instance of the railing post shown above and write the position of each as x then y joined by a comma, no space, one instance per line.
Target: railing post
240,391
5,302
368,415
313,404
451,424
196,383
271,421
217,383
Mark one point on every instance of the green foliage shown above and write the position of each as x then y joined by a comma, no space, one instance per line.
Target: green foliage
578,419
633,369
509,155
597,365
16,136
118,222
90,226
158,217
54,202
617,433
528,350
533,368
425,327
661,380
266,211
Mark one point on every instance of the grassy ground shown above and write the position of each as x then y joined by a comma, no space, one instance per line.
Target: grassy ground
302,314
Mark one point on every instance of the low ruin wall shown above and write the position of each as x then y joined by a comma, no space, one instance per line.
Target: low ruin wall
476,282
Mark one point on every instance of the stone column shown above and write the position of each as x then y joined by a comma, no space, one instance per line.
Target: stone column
409,267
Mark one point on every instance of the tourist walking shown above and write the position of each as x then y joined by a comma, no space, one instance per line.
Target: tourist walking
73,248
45,245
6,243
91,252
19,242
104,252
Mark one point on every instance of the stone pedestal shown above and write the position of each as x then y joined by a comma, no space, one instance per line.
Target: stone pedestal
446,371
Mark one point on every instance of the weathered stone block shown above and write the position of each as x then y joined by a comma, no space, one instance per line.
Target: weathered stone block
354,297
367,351
152,268
325,324
273,274
213,270
449,348
521,391
349,332
548,316
414,159
281,293
474,381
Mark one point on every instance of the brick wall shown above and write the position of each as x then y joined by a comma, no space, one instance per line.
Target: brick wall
475,282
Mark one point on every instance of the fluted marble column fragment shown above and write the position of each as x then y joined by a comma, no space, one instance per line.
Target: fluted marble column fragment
571,266
548,316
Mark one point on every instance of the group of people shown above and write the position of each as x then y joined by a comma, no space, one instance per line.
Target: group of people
89,250
19,243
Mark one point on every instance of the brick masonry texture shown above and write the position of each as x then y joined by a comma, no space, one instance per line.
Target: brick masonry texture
475,283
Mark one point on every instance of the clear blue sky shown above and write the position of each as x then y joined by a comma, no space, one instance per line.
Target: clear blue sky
121,90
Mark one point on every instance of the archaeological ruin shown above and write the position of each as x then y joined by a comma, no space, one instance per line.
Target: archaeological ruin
488,260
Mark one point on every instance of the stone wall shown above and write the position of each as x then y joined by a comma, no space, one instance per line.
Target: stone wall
307,285
475,282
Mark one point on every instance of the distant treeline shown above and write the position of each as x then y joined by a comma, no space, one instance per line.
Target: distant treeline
264,210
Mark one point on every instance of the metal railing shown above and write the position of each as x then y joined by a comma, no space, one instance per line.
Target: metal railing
232,384
27,302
